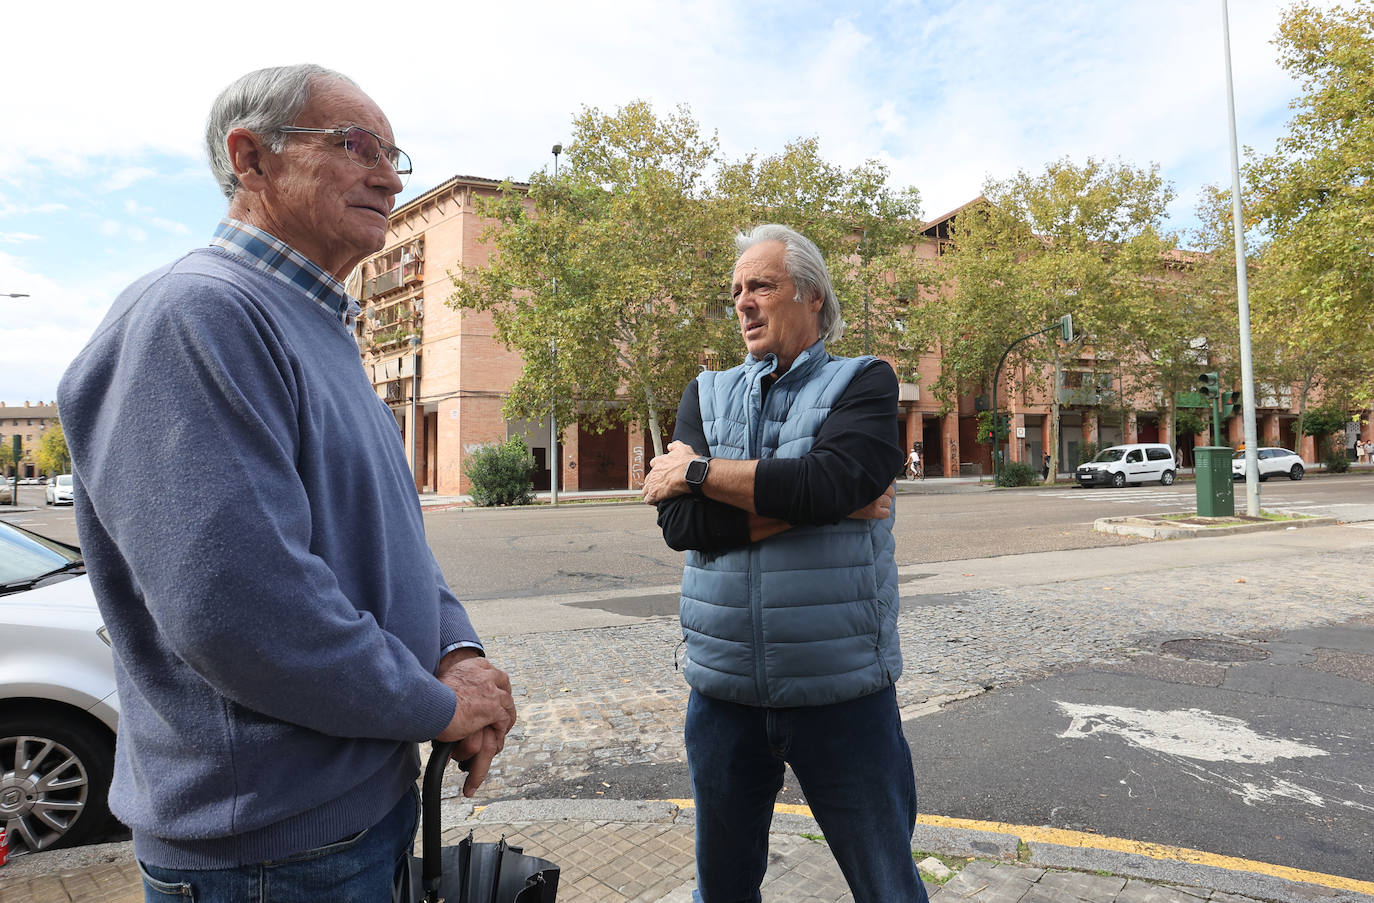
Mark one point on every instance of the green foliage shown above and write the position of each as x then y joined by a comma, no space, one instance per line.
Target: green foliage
52,456
1188,422
1324,421
985,427
1086,452
1311,204
623,261
1076,238
500,474
1017,473
1335,459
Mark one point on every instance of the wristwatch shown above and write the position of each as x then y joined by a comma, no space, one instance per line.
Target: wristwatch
696,474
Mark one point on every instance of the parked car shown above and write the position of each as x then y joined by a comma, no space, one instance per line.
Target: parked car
1272,462
58,708
59,491
1139,462
6,493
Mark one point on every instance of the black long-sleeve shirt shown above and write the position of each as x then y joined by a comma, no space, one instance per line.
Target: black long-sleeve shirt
855,458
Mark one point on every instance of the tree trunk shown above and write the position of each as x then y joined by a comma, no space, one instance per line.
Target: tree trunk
655,431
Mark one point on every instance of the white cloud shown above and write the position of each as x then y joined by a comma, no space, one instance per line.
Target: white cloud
43,332
9,209
125,177
167,225
115,229
948,94
14,238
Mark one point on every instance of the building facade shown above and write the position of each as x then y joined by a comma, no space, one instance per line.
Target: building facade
445,376
28,422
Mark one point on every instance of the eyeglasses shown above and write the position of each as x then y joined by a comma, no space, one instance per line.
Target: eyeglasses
364,147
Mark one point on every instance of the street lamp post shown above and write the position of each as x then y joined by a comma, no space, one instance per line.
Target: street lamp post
1065,327
14,487
555,460
414,414
1247,366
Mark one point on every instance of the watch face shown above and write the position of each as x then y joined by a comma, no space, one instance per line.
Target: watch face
696,471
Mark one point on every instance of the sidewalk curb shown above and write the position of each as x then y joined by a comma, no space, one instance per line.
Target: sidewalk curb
1150,526
943,840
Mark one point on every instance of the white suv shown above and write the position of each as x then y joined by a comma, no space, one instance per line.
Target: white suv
1141,462
1273,462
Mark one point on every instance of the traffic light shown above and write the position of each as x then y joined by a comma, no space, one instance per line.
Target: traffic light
1233,406
1209,385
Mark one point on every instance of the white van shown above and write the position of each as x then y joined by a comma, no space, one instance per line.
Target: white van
1141,462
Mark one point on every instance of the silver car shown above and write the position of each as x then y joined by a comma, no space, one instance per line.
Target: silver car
58,708
1273,462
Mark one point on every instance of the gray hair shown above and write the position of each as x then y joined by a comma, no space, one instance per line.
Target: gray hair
806,266
262,102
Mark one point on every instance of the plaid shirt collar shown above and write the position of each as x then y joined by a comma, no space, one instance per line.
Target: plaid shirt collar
265,252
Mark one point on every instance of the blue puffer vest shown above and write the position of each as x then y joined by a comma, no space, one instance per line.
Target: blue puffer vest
806,617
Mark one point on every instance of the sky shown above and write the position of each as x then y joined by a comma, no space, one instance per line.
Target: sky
105,176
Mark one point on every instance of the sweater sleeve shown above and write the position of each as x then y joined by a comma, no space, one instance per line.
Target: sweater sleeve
690,522
186,434
856,456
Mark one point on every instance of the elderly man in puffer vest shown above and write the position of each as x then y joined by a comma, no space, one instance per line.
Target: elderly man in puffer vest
779,486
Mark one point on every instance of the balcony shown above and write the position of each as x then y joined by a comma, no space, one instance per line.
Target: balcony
1086,388
394,278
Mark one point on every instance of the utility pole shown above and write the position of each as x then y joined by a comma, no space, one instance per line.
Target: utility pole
1247,366
555,459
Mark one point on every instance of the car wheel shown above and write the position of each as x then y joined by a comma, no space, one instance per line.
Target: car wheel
1118,480
1296,472
54,780
1167,479
1263,477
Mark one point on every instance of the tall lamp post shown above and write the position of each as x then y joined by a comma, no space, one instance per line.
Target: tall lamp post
1065,327
1247,366
555,460
14,487
414,413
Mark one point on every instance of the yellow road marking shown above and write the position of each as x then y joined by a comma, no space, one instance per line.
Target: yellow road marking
1086,841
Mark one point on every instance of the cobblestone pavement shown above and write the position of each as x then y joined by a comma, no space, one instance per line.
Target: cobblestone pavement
611,696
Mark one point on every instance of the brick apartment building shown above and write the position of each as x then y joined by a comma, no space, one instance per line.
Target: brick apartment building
28,422
445,375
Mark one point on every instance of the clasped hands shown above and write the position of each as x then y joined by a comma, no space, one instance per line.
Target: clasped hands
484,714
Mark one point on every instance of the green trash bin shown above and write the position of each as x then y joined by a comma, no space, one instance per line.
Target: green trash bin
1216,496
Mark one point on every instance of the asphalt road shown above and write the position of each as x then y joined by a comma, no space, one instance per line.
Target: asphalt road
507,553
589,548
1264,759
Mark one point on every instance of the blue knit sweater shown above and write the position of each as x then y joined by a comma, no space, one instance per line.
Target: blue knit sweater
256,547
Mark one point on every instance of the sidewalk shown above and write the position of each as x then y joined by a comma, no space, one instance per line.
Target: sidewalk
589,691
643,851
933,485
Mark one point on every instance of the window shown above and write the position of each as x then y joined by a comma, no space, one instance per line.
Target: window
1156,454
1135,457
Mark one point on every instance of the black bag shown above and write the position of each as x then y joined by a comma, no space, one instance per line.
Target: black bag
472,872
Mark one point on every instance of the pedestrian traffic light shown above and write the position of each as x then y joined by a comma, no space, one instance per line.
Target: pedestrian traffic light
1209,385
1234,407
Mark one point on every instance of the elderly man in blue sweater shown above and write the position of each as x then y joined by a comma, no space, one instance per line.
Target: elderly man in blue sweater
282,634
778,484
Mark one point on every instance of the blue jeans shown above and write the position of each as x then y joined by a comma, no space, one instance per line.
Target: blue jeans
366,868
853,764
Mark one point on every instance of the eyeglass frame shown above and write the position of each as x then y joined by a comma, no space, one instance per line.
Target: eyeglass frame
383,148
